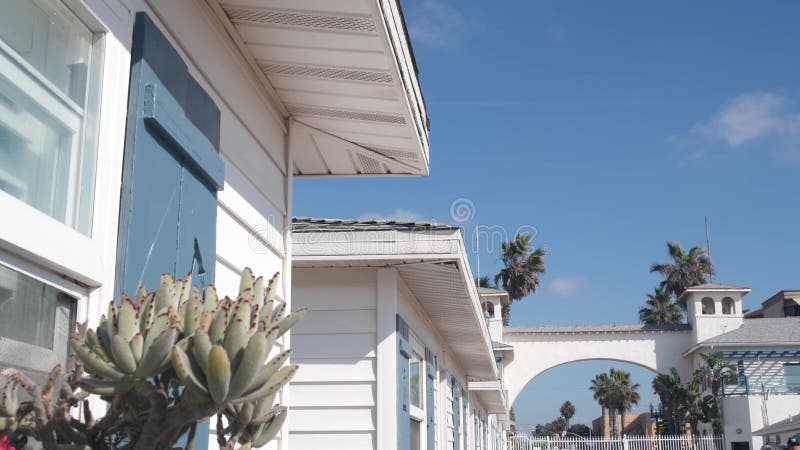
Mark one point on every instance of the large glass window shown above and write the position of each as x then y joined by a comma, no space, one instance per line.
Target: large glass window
791,376
33,312
49,77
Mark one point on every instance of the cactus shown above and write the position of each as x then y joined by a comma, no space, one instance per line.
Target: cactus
218,349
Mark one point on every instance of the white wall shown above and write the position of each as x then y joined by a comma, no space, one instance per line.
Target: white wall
743,416
334,395
334,392
535,353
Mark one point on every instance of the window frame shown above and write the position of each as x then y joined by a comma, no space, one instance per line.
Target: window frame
38,359
55,246
417,350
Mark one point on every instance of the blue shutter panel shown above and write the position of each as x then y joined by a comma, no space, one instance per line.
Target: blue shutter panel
456,415
171,172
465,431
403,411
430,403
485,433
171,168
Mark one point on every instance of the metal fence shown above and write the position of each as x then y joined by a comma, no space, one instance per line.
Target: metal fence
522,441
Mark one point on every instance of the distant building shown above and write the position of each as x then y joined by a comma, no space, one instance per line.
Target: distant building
766,354
783,304
635,425
780,432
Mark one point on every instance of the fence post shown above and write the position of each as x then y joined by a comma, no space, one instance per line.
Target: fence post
548,442
625,445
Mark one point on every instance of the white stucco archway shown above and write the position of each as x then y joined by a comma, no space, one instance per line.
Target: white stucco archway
537,349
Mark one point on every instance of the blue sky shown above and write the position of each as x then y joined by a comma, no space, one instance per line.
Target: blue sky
608,128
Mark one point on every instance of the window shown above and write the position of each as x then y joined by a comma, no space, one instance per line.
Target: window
791,311
416,435
33,312
415,381
49,97
37,313
791,377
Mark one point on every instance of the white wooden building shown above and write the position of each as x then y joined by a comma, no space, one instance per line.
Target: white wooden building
146,136
396,351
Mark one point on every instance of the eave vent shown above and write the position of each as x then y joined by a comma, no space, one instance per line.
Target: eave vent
369,165
296,19
347,114
328,73
397,154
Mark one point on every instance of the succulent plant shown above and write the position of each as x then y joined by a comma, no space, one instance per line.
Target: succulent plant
9,404
222,360
176,357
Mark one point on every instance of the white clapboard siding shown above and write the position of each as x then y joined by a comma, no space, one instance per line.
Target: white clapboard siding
351,395
332,419
331,370
333,441
333,395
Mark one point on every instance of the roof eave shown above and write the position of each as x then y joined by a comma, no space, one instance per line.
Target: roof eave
713,345
366,247
492,394
692,289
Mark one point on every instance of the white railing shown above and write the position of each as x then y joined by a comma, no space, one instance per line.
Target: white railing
522,441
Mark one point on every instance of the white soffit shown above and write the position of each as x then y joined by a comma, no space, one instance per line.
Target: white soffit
345,73
491,394
445,297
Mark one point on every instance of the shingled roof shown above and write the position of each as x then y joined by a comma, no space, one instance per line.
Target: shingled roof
310,225
761,331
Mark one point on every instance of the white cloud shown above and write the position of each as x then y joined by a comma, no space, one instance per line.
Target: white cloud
764,120
565,286
435,23
750,117
398,215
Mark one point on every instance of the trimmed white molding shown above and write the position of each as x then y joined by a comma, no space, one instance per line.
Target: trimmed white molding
387,358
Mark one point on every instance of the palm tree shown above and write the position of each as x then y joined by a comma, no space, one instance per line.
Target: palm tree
625,393
660,309
520,276
710,376
696,407
685,270
484,282
567,412
601,386
667,387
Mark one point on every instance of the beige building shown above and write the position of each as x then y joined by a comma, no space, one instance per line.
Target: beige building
783,304
635,425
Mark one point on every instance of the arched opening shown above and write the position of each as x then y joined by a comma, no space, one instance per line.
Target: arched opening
488,310
540,401
728,306
708,306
